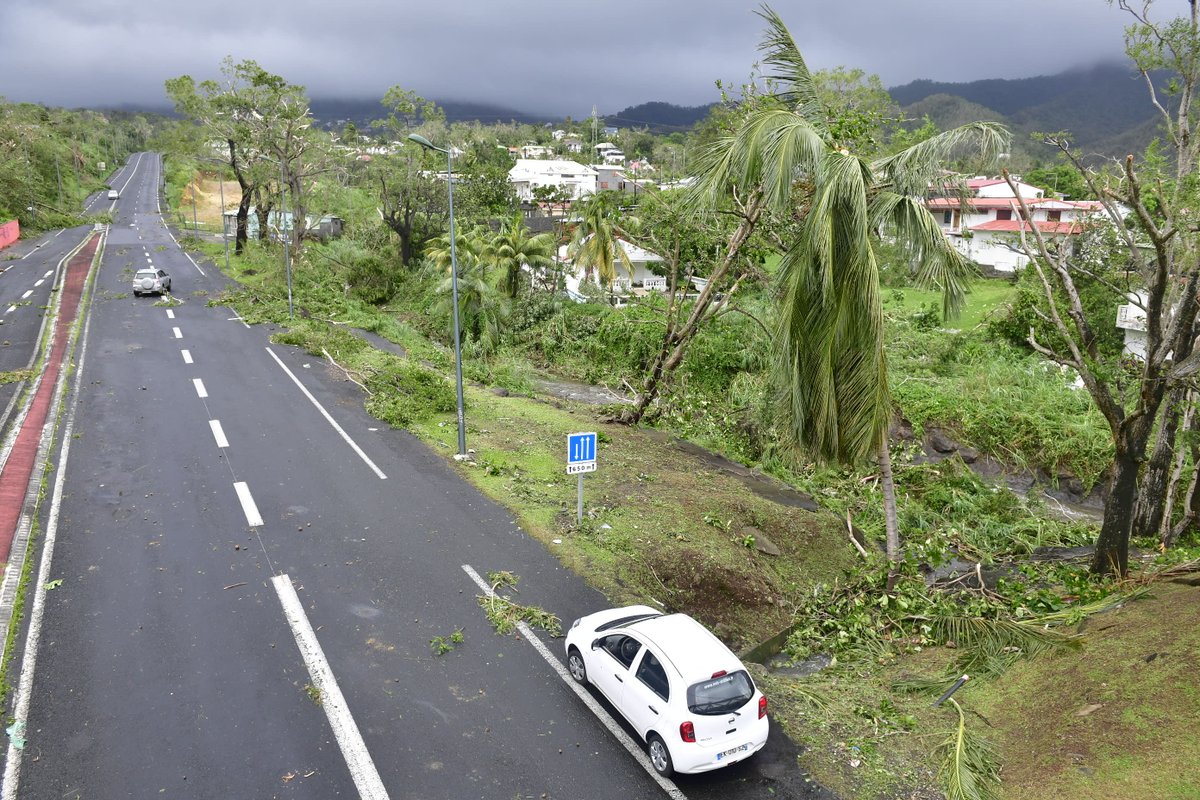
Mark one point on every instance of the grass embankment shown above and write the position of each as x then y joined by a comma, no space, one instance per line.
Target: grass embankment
668,525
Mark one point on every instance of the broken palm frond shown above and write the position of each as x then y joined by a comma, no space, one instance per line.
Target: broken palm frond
1078,613
917,684
968,763
1173,571
991,646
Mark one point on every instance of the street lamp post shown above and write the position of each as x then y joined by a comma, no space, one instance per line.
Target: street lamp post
285,238
458,381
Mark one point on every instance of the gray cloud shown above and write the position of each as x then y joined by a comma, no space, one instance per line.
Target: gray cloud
560,56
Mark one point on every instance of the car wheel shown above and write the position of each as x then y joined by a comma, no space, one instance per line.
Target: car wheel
660,756
576,666
136,293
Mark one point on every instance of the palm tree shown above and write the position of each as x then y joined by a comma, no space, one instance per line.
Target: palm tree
596,245
482,309
832,375
514,248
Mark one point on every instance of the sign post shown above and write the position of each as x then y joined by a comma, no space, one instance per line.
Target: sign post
581,458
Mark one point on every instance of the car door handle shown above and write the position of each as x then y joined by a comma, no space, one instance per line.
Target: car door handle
619,678
652,708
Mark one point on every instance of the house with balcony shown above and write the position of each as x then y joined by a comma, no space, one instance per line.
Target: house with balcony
986,226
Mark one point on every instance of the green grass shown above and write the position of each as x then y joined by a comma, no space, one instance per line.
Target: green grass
985,298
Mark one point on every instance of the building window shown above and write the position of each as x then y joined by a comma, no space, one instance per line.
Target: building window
1004,213
1055,215
947,217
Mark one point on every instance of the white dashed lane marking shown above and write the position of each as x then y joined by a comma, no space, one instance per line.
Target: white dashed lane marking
178,333
218,432
170,314
249,508
200,390
187,356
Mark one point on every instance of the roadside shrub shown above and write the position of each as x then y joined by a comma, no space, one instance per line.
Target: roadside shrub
404,393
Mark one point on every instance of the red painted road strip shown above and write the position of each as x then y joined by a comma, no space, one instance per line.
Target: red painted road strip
14,480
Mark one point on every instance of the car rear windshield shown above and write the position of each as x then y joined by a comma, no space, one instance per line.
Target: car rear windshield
720,695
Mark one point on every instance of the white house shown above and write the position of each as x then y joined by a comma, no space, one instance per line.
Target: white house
609,153
535,151
643,276
573,145
986,227
527,174
1131,318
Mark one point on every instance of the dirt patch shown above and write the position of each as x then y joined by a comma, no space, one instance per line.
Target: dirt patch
206,191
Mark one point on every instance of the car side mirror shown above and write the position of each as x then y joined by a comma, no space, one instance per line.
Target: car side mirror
596,644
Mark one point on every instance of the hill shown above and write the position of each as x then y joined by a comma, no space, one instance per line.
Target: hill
659,117
1106,107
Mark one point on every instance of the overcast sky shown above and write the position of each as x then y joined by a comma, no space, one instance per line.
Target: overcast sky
545,56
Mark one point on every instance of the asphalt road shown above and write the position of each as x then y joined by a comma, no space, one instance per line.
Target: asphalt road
214,478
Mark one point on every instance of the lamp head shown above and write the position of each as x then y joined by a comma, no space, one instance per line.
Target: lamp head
421,140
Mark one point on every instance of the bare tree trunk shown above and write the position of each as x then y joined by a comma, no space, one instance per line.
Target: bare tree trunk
1152,489
1181,452
891,525
1112,545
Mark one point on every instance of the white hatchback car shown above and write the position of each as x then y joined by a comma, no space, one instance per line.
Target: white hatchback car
684,692
113,194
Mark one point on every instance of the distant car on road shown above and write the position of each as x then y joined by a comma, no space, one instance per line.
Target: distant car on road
113,194
151,281
684,692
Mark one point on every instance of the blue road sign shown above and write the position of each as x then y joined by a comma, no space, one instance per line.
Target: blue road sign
581,453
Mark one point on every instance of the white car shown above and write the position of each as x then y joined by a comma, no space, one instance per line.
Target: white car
684,692
113,194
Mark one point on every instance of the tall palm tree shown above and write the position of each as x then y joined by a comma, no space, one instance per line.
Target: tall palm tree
832,375
514,248
482,309
596,243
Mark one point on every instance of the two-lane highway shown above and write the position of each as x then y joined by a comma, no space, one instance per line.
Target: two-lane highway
247,571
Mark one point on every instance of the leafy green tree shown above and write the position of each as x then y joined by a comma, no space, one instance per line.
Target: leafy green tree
1061,178
785,158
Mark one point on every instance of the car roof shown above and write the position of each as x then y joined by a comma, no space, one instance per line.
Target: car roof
691,648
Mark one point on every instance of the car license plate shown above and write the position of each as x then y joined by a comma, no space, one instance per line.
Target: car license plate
739,749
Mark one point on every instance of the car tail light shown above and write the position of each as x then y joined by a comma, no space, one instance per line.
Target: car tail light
687,731
762,706
719,674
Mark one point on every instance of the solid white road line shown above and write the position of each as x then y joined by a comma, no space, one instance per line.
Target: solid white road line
200,390
345,436
218,433
170,314
249,507
616,730
187,356
354,749
24,694
178,333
